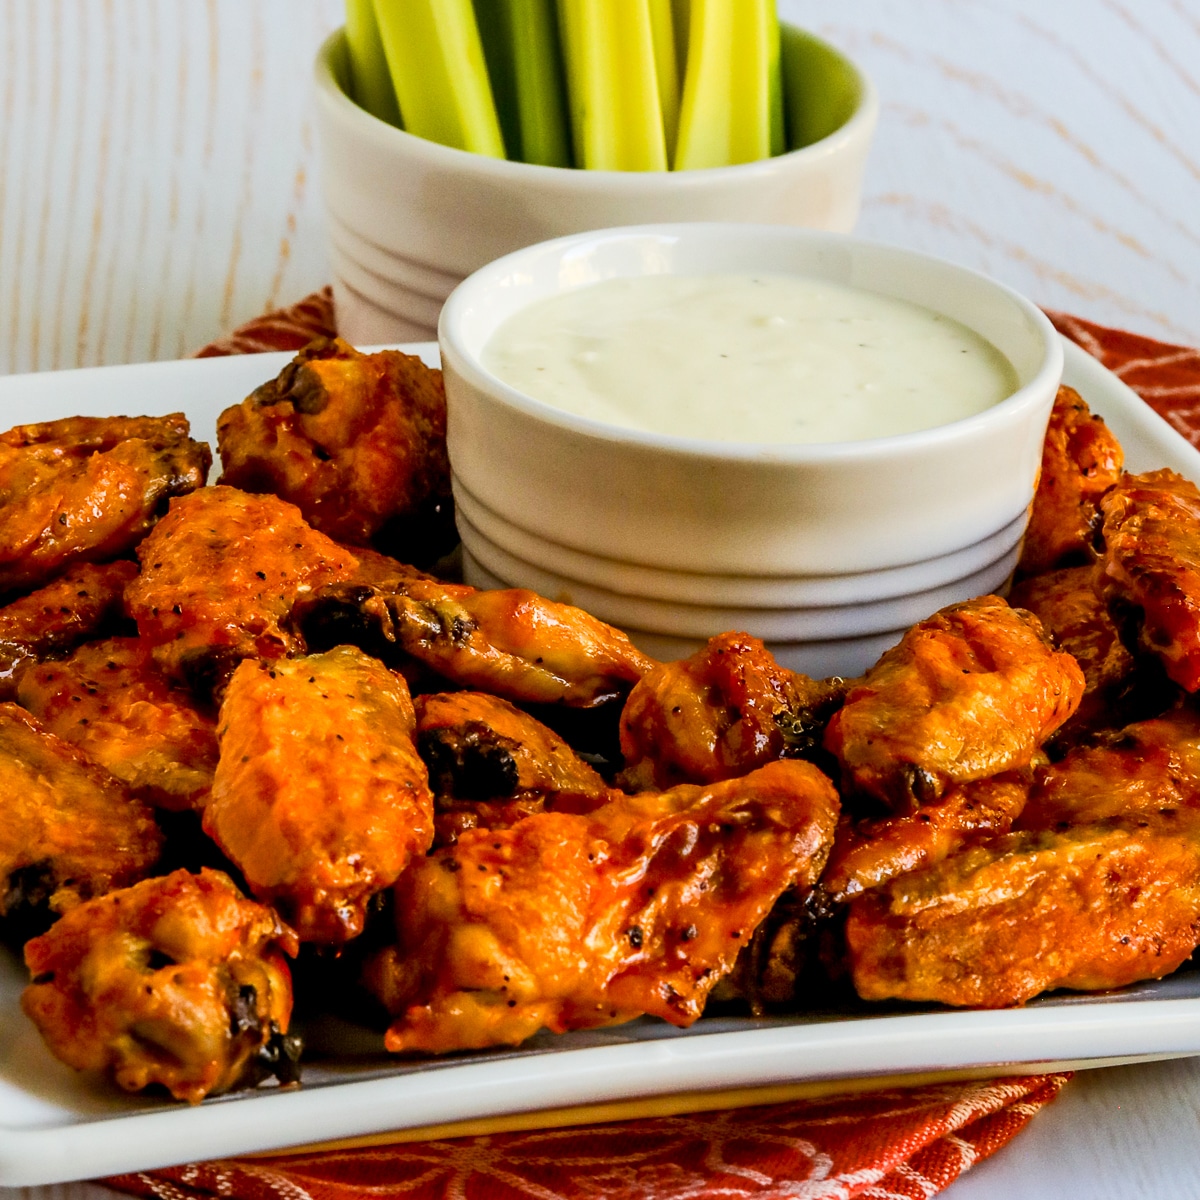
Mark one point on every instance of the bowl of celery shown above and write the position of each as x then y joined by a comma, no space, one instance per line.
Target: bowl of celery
452,133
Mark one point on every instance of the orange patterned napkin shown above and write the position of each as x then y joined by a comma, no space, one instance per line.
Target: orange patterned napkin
1167,377
900,1143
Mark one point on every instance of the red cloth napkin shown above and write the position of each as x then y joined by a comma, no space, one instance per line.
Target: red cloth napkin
896,1144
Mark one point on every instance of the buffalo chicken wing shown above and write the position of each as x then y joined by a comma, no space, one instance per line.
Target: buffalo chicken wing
356,441
972,691
1080,460
220,574
1090,907
1149,767
568,922
1069,607
88,489
725,711
70,831
109,699
78,605
490,764
869,851
320,798
1149,571
510,642
177,981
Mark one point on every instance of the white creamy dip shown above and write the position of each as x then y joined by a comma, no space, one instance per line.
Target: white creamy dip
748,358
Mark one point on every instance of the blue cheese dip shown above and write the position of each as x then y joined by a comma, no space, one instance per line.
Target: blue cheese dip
748,358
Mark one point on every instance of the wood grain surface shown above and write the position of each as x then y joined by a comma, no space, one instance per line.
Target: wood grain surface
157,173
1054,144
158,177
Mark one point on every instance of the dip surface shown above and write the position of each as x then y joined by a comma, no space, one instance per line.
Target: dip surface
748,358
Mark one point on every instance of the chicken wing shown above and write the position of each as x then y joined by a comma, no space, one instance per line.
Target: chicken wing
220,574
490,764
971,692
509,642
109,699
320,797
177,981
88,489
70,831
1069,607
78,605
356,441
725,711
1148,767
870,851
1090,907
1149,571
567,922
1081,459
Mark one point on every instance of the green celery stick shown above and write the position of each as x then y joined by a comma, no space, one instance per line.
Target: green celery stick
612,85
681,11
666,66
370,84
732,107
437,67
520,43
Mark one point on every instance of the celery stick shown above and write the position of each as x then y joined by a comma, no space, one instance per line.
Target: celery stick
666,66
681,11
370,83
436,63
612,85
520,43
731,110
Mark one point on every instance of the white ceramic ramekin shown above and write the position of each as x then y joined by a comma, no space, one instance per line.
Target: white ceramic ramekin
834,546
409,219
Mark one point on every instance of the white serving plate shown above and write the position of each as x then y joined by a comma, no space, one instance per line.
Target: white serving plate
56,1125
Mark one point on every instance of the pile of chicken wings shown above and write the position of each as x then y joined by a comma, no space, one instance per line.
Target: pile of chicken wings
245,743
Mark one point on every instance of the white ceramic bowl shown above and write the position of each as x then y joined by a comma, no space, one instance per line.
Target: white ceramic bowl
830,547
409,219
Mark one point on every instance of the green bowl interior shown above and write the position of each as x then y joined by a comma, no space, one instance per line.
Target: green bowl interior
821,88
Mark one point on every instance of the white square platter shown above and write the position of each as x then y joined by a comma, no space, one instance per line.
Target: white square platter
56,1125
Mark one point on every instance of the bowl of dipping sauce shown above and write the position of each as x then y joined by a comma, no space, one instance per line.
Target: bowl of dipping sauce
689,428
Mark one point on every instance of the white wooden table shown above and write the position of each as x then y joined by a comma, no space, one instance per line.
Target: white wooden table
158,186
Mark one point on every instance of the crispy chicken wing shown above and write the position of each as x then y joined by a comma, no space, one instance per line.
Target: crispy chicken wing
1148,767
868,852
177,981
1149,571
78,605
1089,907
567,922
220,574
1080,460
721,713
971,692
490,764
509,642
88,489
356,441
1069,607
320,797
69,831
109,699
